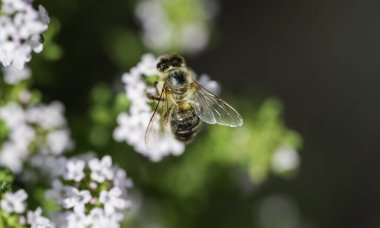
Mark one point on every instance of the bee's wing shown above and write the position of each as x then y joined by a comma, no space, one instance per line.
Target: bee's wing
213,110
159,119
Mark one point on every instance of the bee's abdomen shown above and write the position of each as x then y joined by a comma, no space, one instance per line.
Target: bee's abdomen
185,125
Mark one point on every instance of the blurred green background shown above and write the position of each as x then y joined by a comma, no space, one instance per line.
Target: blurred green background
319,58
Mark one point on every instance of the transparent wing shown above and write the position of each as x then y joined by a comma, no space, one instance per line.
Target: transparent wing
160,118
213,110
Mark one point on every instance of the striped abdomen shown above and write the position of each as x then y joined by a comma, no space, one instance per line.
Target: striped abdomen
185,123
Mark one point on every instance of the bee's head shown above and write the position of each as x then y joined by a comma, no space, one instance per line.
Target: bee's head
167,61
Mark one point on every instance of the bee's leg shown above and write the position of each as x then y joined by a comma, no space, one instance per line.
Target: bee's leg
152,97
155,86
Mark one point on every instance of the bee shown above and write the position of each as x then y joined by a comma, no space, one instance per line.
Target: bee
183,104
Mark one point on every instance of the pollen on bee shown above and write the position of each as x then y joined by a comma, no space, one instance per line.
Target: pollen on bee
183,105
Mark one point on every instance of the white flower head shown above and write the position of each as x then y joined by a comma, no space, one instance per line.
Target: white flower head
32,130
13,75
189,34
47,116
14,202
21,27
97,199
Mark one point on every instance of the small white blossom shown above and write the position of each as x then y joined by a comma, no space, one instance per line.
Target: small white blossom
58,141
74,170
77,199
74,220
98,219
50,165
112,200
285,159
12,156
14,202
101,170
59,191
13,75
21,27
12,114
210,85
23,134
36,220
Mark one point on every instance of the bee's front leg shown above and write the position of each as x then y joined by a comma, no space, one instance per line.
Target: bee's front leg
152,96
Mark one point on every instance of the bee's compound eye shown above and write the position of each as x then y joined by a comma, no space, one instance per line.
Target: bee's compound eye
162,65
177,78
176,60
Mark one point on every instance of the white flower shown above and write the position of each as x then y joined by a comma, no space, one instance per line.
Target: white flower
22,135
120,179
285,159
101,170
13,75
74,170
77,200
74,220
20,29
210,85
59,191
50,165
14,202
58,141
36,220
12,114
12,156
98,219
112,200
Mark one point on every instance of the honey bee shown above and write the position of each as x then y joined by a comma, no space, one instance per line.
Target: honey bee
183,103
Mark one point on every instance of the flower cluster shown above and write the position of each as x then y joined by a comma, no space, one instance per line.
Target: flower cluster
30,130
189,32
20,31
133,124
92,193
13,209
13,75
